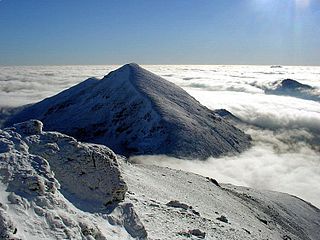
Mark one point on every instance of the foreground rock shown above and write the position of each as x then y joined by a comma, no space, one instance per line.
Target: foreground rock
135,112
53,187
86,171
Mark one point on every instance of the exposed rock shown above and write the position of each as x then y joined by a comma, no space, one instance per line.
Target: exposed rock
177,204
223,218
194,232
263,220
197,233
215,182
183,206
136,112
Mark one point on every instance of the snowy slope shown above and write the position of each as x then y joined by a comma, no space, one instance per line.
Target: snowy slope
136,112
172,203
54,187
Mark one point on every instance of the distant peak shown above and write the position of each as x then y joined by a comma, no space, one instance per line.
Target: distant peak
293,84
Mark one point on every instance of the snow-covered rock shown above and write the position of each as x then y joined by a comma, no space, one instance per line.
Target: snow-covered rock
134,111
53,187
87,171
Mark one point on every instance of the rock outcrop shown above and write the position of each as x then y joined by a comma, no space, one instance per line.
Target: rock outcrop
88,172
134,112
54,187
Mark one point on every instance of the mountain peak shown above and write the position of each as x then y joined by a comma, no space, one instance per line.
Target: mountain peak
129,66
132,65
134,111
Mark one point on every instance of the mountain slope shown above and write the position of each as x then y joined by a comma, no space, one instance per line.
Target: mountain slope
54,187
134,112
173,204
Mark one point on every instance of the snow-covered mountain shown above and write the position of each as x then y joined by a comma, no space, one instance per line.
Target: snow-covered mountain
54,187
134,111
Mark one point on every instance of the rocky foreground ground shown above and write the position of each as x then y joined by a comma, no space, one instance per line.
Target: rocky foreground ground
54,187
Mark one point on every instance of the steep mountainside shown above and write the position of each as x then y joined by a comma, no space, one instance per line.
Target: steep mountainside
134,112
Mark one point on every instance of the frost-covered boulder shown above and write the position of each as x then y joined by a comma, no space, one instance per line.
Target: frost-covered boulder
134,112
45,177
88,172
25,173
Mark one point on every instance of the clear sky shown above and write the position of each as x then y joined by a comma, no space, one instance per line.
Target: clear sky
160,32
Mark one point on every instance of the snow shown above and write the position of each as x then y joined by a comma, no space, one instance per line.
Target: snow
134,112
159,202
170,202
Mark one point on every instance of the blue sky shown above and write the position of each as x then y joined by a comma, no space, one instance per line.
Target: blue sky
160,32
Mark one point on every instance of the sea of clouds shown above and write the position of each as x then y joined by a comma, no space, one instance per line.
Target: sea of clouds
285,130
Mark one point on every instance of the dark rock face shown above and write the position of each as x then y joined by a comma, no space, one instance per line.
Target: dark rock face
134,112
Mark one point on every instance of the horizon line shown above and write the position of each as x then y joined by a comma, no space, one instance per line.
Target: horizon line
162,64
